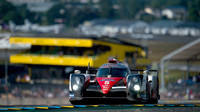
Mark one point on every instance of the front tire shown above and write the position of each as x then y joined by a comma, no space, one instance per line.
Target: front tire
153,101
76,102
147,93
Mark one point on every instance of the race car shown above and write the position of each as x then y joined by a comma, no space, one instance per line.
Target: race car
114,80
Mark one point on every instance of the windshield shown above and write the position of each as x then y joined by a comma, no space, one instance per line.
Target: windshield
114,72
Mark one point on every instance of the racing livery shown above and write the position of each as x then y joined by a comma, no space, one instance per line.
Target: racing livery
114,80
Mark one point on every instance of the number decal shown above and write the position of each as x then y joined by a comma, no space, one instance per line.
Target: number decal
107,82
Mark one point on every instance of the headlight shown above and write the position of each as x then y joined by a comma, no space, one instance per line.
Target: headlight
136,87
75,87
135,79
78,80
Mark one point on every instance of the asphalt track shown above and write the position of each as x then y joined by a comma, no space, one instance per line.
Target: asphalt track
163,106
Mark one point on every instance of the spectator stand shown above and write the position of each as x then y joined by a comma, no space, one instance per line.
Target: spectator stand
188,53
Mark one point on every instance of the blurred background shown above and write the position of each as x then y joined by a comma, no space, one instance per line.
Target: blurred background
43,41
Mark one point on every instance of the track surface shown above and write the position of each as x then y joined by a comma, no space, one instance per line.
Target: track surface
163,106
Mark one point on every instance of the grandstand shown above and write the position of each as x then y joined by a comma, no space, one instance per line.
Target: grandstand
62,53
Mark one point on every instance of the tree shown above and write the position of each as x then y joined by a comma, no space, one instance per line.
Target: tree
194,10
58,11
9,12
14,16
17,14
147,17
135,6
123,11
158,3
5,7
106,9
82,15
25,13
194,14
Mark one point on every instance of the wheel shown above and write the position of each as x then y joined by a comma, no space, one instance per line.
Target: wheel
76,102
147,93
154,100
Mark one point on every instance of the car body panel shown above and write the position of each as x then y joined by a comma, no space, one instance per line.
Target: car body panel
107,83
115,82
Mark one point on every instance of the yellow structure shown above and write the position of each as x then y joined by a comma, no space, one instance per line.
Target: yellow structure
76,51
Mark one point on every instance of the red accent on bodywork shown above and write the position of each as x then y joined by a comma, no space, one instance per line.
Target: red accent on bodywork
125,82
87,83
107,83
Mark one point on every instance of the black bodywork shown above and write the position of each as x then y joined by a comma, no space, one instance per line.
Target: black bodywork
132,87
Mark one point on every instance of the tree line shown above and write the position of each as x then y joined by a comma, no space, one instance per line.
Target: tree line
111,9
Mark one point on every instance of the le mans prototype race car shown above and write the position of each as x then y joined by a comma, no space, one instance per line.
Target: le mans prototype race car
114,80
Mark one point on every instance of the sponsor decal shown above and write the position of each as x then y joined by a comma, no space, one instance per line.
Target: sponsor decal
106,87
107,80
107,83
71,95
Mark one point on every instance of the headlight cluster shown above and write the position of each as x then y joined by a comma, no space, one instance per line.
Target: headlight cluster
136,87
134,83
77,83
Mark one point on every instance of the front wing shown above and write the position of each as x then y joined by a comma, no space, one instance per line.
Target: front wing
116,92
